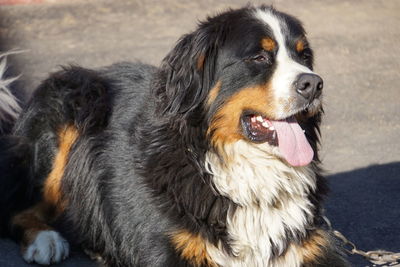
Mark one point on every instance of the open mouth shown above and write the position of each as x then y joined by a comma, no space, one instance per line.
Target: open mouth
259,129
286,134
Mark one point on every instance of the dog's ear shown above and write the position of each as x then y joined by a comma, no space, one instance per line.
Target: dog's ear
187,73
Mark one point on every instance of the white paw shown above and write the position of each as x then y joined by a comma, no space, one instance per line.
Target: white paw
49,247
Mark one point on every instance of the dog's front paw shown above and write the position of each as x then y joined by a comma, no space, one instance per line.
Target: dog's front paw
48,247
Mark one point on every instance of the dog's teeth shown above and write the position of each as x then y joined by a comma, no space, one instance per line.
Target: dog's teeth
274,135
260,119
265,124
253,119
272,128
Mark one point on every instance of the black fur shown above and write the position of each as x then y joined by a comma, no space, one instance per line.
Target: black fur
16,159
16,154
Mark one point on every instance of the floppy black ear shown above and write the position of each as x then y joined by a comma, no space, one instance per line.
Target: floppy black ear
187,73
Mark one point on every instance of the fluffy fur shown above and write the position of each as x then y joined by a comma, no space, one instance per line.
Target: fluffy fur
168,167
9,107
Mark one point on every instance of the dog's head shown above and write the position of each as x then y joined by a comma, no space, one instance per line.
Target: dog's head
248,75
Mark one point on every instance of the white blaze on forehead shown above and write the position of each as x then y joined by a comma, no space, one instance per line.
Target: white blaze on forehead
287,69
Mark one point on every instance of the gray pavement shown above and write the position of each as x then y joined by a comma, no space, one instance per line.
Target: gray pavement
357,53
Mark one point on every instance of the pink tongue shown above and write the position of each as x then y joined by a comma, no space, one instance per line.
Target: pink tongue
292,142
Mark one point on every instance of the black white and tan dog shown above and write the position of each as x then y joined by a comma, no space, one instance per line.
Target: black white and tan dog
209,160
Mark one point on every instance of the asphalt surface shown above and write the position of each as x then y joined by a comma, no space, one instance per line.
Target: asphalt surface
357,53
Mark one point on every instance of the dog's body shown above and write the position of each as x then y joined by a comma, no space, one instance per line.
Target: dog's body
200,162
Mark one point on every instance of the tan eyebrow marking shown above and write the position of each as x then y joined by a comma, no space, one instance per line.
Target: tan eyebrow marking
268,44
300,44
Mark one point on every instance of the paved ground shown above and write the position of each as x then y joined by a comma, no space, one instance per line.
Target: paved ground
357,53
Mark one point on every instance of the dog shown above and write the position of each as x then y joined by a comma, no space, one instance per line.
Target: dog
210,159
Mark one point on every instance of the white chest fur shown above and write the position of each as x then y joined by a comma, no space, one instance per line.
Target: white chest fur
272,203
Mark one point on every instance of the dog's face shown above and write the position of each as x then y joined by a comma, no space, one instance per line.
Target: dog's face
254,68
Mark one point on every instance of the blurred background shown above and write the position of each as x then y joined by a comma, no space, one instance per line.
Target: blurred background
357,48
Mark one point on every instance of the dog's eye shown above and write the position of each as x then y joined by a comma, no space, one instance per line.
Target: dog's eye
259,58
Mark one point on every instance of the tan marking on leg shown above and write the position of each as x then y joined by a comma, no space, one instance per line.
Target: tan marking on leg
313,248
39,242
32,221
268,44
192,247
212,95
225,126
52,187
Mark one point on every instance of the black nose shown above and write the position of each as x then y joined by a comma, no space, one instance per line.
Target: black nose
309,86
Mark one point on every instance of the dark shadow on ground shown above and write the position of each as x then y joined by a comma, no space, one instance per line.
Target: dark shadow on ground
364,204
